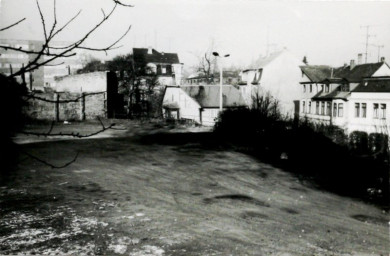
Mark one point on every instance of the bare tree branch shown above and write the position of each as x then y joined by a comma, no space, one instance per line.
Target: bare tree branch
42,20
35,52
12,25
120,3
36,63
72,134
110,47
32,96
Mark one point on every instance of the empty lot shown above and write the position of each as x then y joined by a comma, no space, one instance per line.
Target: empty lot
126,196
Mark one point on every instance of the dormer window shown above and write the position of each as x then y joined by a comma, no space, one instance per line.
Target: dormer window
327,88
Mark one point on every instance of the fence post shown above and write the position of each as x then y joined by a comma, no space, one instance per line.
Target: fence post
57,107
82,107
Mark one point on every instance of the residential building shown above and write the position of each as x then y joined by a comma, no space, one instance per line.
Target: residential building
350,97
11,61
199,103
279,75
166,66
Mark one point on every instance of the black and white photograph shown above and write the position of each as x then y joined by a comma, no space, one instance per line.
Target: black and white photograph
195,127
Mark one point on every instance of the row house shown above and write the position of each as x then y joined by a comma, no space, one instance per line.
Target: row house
352,97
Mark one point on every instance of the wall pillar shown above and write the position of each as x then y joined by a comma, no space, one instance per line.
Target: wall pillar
57,107
82,107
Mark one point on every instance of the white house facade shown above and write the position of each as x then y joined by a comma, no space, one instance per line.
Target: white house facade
199,103
166,66
354,98
279,74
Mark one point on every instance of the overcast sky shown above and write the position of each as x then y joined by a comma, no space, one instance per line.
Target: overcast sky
327,32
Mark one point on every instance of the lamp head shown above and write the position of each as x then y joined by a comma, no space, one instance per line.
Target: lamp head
227,55
215,54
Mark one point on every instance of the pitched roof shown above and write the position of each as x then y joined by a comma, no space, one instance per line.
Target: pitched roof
141,56
317,73
358,72
208,95
264,61
374,85
335,94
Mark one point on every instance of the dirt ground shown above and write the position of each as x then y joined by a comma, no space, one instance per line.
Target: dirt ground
124,196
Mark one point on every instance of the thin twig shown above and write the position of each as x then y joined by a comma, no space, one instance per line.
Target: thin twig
12,25
32,96
120,3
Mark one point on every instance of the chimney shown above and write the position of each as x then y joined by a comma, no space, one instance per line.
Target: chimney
360,58
352,65
382,59
150,50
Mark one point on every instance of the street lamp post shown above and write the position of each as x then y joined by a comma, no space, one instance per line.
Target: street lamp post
216,54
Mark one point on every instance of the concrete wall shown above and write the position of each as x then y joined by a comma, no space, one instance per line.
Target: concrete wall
89,82
87,107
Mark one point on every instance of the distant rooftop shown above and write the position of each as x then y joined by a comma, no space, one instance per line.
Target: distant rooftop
208,95
318,74
141,55
374,85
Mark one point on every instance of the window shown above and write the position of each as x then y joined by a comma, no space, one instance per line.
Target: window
357,109
364,110
303,107
327,88
304,88
328,113
341,108
309,108
317,108
383,111
311,87
376,106
322,108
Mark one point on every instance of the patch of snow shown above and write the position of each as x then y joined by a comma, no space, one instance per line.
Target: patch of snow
148,250
118,248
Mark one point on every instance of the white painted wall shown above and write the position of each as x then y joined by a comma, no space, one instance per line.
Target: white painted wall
209,116
89,82
281,78
384,70
369,124
189,108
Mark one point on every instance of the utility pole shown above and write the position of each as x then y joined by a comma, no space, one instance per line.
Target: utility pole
368,35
